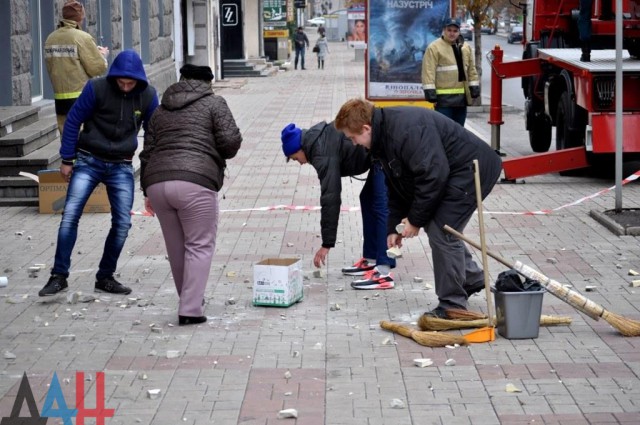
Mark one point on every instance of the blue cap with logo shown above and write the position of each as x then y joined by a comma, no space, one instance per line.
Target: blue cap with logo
450,21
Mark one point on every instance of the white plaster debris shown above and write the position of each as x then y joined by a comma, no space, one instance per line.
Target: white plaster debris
9,355
335,307
231,274
72,298
634,283
590,288
86,298
318,346
422,362
230,301
417,279
172,354
287,375
394,252
386,341
289,244
152,353
450,362
142,376
317,273
68,337
552,260
287,413
4,281
296,354
633,272
77,315
396,403
153,394
288,393
510,388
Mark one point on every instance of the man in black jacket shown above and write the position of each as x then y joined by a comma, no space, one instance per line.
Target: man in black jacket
428,160
301,43
334,156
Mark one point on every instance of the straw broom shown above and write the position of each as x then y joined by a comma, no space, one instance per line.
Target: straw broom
426,323
428,339
625,326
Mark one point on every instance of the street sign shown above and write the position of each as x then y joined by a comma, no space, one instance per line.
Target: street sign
229,15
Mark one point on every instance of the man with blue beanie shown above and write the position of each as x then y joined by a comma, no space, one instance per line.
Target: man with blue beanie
334,156
99,141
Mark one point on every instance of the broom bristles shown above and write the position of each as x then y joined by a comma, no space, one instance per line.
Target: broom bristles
428,339
626,327
427,323
462,314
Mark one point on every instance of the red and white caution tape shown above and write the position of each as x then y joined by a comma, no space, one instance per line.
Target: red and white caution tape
629,179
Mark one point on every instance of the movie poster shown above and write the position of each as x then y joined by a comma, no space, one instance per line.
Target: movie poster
356,20
399,33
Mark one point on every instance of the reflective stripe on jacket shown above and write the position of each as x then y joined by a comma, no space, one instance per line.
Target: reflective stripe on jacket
440,72
72,58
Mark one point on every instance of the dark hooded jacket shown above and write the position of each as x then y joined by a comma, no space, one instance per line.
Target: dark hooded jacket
110,118
428,160
334,156
190,137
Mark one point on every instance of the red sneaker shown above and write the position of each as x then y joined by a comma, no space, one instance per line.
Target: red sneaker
374,280
360,267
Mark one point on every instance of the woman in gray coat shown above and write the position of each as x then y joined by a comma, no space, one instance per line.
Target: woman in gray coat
190,137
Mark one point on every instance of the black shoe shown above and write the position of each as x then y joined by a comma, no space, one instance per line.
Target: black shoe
112,286
190,320
57,283
474,289
303,68
585,57
438,312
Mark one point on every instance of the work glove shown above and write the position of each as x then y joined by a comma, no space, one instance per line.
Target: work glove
430,95
474,91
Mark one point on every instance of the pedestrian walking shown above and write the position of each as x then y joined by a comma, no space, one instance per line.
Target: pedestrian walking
449,76
428,162
72,58
110,111
191,136
322,50
334,156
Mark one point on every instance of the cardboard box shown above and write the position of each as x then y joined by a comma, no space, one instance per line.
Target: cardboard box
52,192
277,282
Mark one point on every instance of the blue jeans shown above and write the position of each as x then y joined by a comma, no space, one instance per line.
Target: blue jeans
375,210
458,113
299,53
87,173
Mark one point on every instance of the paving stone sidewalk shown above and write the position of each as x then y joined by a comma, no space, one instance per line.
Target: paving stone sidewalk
344,369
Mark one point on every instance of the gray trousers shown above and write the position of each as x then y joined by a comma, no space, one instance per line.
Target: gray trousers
188,215
453,267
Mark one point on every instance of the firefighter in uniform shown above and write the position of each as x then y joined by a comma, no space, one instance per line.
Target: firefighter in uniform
72,58
449,76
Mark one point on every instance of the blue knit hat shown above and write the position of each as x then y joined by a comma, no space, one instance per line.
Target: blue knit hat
291,139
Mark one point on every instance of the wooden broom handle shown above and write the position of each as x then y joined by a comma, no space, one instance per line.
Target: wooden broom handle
474,244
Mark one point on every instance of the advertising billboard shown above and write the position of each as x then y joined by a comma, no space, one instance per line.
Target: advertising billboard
399,32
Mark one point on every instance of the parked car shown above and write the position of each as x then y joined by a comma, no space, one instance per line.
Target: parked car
466,31
317,21
515,35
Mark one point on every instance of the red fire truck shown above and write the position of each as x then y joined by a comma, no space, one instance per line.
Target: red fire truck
577,98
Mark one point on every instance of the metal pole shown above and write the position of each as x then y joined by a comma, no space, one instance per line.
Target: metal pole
619,94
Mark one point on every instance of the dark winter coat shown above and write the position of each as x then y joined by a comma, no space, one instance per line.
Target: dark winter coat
333,156
428,160
190,137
